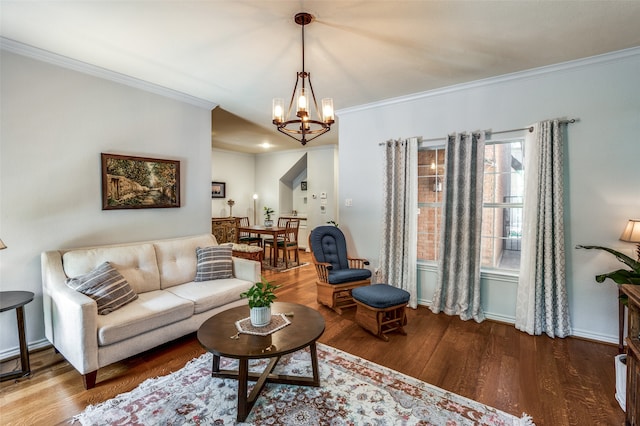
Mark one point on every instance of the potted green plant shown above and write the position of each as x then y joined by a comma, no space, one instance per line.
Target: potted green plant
260,297
268,211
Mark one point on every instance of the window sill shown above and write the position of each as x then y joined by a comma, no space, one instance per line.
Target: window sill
507,275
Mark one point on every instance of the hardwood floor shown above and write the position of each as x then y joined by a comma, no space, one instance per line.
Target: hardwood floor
556,381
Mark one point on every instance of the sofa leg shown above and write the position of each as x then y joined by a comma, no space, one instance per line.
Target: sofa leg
89,379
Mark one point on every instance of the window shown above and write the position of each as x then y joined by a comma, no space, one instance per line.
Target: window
502,205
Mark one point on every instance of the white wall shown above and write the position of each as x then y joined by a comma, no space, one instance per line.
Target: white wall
55,123
602,172
246,174
321,177
237,171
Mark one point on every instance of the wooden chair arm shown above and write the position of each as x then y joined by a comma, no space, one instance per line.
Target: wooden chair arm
357,263
322,269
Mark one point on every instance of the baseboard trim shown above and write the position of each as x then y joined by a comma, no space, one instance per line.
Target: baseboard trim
12,353
578,333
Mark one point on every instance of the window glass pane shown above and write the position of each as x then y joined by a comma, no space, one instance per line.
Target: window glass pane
428,233
501,237
502,211
502,205
430,186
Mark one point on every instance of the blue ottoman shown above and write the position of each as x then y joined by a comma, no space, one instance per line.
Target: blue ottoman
380,309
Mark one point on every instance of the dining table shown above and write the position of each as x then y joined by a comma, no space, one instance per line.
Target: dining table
274,231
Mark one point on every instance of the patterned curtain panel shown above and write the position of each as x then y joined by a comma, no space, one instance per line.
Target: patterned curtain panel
458,288
542,304
398,249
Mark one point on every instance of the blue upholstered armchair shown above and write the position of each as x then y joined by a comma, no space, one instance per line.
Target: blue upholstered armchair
337,272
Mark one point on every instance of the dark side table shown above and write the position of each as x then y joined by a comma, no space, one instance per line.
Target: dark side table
16,300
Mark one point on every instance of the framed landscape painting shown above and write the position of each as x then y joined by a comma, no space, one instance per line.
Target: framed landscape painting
139,183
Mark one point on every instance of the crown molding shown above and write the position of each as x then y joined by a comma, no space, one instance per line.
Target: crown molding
534,72
96,71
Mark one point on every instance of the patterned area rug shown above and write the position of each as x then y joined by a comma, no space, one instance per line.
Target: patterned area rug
266,264
353,391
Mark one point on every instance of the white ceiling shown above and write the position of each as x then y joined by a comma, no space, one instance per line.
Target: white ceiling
240,54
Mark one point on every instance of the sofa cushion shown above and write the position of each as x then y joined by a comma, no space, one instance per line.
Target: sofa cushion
137,264
214,262
177,258
207,295
106,286
151,310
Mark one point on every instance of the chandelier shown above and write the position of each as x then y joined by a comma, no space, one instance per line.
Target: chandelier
305,125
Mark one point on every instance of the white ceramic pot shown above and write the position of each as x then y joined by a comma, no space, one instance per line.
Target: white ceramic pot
261,316
268,223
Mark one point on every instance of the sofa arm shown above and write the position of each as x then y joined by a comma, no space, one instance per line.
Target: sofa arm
70,317
246,269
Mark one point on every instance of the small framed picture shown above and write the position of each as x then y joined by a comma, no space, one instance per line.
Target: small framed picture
303,185
218,189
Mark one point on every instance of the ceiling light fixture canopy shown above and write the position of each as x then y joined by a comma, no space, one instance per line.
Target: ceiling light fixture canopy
303,123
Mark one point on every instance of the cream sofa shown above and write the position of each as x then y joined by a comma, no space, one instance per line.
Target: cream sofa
169,304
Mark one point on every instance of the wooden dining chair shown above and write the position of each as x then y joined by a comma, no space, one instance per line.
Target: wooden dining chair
284,242
290,242
247,237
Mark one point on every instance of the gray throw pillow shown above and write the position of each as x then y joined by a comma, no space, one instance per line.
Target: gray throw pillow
214,262
106,286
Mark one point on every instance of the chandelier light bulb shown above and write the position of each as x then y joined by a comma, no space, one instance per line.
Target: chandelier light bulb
303,103
327,110
278,110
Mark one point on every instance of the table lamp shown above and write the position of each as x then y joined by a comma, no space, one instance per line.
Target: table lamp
631,234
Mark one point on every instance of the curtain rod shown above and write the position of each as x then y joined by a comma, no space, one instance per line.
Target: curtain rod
530,129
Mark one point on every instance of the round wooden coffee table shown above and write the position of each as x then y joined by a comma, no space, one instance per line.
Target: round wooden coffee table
219,336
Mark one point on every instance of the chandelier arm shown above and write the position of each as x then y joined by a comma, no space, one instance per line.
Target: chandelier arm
304,140
324,130
313,95
285,125
293,96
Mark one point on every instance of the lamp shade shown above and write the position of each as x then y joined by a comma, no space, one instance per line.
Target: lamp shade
631,233
2,246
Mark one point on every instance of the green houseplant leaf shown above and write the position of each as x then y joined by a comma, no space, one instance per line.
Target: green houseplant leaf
261,294
633,264
620,276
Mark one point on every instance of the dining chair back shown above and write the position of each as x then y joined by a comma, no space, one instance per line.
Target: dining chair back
290,241
286,242
247,237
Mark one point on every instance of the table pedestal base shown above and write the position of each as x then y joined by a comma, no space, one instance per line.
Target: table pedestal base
243,375
25,368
